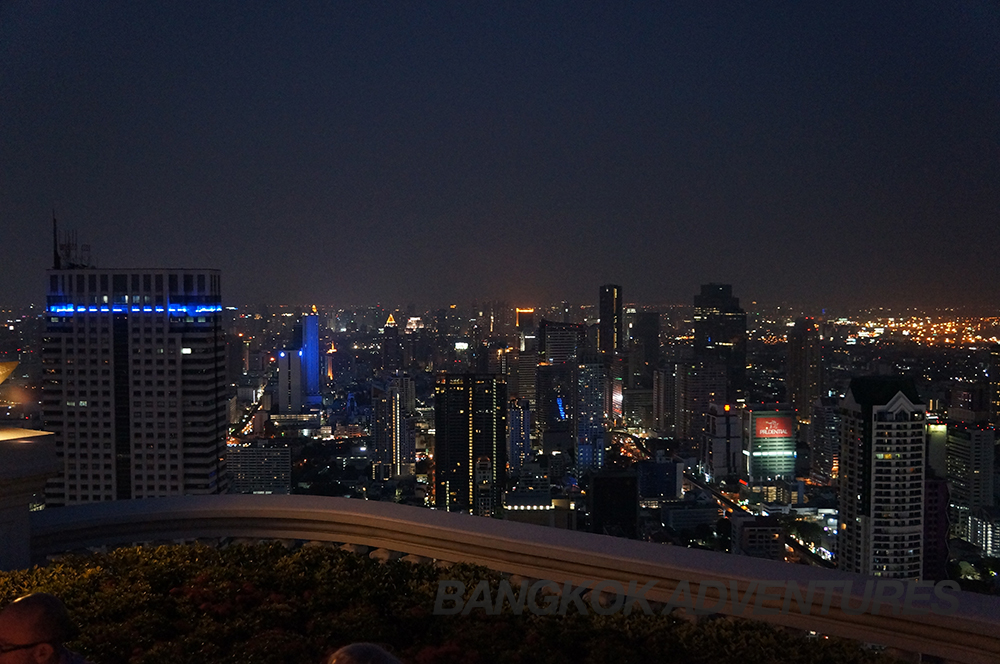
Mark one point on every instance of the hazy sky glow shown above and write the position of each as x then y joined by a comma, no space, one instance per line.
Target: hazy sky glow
834,153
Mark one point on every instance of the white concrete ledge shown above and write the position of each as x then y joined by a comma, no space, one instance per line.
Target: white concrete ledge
971,634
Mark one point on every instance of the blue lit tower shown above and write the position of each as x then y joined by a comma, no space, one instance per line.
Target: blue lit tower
311,372
135,383
299,368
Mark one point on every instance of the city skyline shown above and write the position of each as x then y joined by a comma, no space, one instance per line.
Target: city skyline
836,156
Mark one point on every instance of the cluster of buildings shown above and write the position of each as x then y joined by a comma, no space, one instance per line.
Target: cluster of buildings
560,417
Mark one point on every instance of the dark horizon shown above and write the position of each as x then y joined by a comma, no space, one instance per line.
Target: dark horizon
840,156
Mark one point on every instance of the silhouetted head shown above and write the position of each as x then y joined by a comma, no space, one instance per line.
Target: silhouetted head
33,629
362,653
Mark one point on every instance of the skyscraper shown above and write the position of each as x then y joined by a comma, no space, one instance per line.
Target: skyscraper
518,434
299,368
722,450
769,436
697,384
590,409
611,330
882,478
470,443
135,383
824,439
720,333
561,342
394,427
644,339
805,366
969,460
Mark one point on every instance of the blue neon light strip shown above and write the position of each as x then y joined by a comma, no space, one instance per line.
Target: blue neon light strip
172,309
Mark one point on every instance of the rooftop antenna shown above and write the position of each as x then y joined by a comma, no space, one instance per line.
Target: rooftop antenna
56,262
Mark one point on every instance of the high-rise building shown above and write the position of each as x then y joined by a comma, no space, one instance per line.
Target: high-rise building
697,384
805,368
882,478
664,398
824,439
590,409
518,435
394,427
936,524
392,346
969,455
470,443
720,333
644,339
260,466
291,392
994,383
135,383
769,437
722,450
299,369
556,408
561,342
611,330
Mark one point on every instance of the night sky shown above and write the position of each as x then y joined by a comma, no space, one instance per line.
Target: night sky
830,154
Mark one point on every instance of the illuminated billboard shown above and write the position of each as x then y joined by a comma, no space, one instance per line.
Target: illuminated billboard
774,427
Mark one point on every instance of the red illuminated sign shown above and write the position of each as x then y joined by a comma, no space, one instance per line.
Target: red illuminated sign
775,427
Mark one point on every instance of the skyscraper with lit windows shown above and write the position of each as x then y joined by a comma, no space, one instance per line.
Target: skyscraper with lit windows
882,478
470,443
134,383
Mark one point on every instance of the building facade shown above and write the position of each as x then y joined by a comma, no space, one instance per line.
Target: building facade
470,443
769,439
135,383
882,478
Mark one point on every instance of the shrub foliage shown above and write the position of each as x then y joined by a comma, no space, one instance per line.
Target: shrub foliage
264,604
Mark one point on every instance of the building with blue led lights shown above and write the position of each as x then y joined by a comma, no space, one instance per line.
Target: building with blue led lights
134,383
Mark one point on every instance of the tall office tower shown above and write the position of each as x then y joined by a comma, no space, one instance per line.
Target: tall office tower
527,370
805,367
555,408
644,339
470,449
311,370
969,460
769,438
698,383
392,346
518,435
291,395
611,330
720,333
882,478
664,399
993,372
935,527
560,342
299,368
824,439
524,326
261,466
722,447
135,383
394,431
590,409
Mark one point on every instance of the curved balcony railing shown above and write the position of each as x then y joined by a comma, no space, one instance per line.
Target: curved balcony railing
969,631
